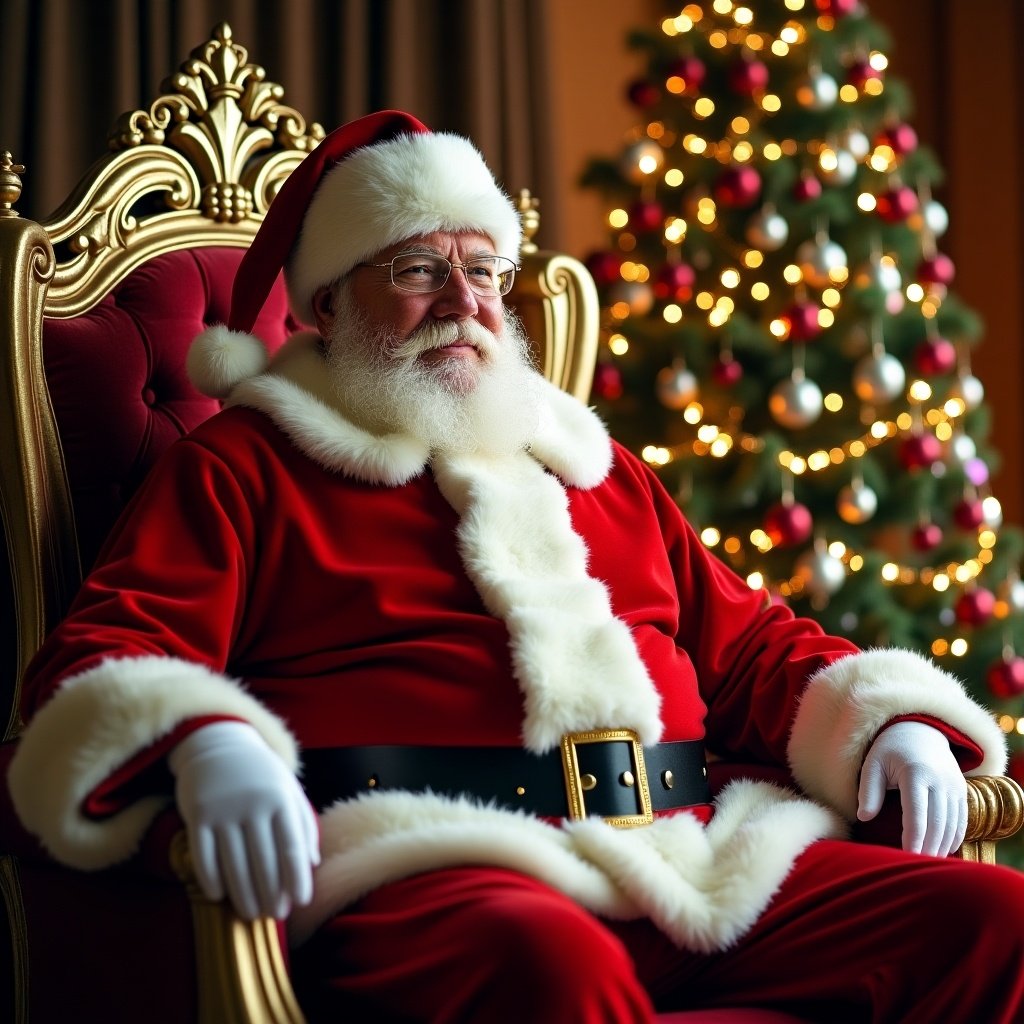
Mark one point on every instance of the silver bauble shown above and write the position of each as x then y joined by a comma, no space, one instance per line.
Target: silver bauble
1011,591
968,389
993,513
818,91
879,379
844,171
879,274
676,387
817,258
767,230
962,448
856,503
936,217
823,574
795,402
640,160
639,297
855,142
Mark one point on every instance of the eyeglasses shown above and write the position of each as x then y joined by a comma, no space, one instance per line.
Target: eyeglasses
424,272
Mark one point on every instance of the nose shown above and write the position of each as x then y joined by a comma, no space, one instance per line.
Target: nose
456,298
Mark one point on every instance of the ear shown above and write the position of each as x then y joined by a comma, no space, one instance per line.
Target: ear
323,309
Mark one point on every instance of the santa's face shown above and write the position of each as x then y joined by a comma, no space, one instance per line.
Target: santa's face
398,313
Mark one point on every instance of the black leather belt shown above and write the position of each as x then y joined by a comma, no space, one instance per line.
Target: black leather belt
605,772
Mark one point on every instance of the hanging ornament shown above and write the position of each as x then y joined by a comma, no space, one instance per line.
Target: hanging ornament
818,258
879,273
992,512
837,166
837,8
856,503
801,320
920,450
860,72
1005,678
821,572
807,187
748,77
969,513
855,142
767,230
607,384
976,472
796,402
727,371
968,389
817,90
738,186
935,217
1011,592
788,524
676,386
962,448
935,357
675,281
937,269
605,267
879,378
900,138
897,204
690,69
643,93
974,607
646,216
635,296
926,536
640,159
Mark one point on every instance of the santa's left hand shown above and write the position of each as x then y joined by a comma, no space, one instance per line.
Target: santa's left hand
916,759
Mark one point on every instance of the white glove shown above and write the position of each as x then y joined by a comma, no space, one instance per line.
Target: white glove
915,759
251,830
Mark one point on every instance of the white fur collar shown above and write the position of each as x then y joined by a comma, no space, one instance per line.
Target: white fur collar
570,441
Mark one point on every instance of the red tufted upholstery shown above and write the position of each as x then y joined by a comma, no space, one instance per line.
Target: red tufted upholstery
117,376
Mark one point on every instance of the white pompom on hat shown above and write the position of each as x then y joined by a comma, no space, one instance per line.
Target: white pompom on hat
370,184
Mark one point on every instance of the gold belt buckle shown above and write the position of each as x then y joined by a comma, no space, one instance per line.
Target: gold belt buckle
576,785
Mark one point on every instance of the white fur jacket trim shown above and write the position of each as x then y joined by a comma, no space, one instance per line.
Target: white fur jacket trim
846,704
96,722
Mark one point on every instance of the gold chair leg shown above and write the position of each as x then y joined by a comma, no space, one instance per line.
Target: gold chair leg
10,890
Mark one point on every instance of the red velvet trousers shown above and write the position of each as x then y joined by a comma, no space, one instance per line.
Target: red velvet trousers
856,933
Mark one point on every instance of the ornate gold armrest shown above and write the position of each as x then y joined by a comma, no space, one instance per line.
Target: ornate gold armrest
995,810
242,977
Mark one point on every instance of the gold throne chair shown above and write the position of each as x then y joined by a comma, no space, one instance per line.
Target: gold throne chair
97,306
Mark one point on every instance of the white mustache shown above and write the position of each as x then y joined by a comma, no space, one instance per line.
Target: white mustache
441,333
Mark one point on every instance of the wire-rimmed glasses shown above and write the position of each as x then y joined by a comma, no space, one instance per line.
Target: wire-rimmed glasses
424,272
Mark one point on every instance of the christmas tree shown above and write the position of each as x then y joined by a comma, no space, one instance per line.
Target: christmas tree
782,341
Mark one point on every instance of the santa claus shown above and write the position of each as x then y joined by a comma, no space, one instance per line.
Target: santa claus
403,567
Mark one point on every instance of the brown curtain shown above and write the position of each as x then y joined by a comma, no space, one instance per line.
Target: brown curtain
477,67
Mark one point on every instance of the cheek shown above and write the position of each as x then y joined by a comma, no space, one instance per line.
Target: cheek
491,316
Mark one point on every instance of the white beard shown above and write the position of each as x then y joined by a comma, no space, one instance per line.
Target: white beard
491,406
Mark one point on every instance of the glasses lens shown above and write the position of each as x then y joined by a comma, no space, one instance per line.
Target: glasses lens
419,272
490,275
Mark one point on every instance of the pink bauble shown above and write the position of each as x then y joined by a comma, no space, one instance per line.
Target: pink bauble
675,281
975,607
935,357
897,204
788,524
837,8
642,93
926,537
900,138
918,451
1006,679
738,186
727,372
748,77
860,72
807,187
690,69
645,216
969,514
802,318
604,267
607,382
937,269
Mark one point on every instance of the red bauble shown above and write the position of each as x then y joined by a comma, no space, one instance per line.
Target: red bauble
897,204
788,525
935,357
975,606
607,382
727,372
920,450
738,186
837,8
675,281
926,537
748,77
690,69
605,267
642,93
969,514
937,269
900,138
645,215
807,187
1006,679
861,71
802,318
1015,769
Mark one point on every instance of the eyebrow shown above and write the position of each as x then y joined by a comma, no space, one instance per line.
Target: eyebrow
429,250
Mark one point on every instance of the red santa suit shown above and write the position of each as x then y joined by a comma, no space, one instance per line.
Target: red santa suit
335,588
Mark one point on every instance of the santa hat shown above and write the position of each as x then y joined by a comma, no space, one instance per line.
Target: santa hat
370,184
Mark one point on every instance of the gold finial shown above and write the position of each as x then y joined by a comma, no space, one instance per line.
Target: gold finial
528,207
10,184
